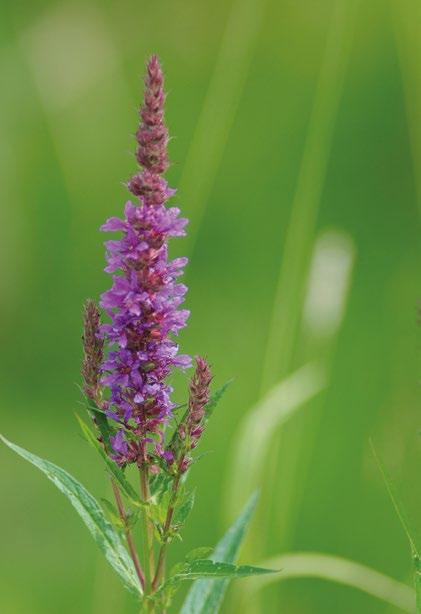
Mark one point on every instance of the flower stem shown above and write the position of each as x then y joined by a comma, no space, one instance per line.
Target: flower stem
159,574
129,536
147,529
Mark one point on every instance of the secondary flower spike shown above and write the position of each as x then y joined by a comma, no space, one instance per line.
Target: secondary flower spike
143,302
192,426
93,347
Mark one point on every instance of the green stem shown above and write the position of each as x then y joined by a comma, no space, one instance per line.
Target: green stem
160,568
147,531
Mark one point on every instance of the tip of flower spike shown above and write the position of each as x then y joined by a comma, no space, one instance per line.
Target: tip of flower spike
153,65
152,139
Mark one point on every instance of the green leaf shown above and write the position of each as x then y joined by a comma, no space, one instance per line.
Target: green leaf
215,397
101,422
199,553
113,468
131,518
160,484
113,514
158,511
206,568
92,515
205,596
183,508
396,502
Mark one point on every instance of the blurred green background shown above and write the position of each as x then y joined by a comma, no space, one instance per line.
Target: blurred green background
297,153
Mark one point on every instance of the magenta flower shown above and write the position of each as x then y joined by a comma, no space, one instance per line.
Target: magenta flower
143,302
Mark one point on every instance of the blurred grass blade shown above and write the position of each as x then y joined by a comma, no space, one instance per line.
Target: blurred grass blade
403,518
115,471
333,569
289,295
405,20
396,501
91,513
261,423
224,93
328,284
417,581
205,596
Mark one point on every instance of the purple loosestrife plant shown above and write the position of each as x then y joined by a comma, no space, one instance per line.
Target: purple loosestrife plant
136,425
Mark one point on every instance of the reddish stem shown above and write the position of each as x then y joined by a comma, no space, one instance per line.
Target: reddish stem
128,534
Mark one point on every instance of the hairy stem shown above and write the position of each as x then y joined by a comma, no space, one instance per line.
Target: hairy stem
167,525
129,536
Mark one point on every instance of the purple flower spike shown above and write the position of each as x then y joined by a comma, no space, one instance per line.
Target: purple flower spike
143,302
152,138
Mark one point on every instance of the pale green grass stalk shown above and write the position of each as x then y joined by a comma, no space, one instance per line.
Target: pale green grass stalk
331,264
218,111
326,298
328,287
406,17
329,568
404,520
256,431
291,285
290,289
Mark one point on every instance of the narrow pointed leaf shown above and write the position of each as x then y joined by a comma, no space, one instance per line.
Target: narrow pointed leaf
205,596
206,568
215,397
113,515
403,518
112,467
184,508
101,421
91,513
396,502
202,552
160,484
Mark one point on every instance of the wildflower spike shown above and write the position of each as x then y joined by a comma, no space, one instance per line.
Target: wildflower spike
93,346
143,302
193,424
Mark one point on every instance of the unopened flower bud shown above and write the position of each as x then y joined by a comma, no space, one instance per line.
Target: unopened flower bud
93,346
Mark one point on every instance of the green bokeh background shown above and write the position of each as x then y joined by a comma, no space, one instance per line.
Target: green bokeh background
276,107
